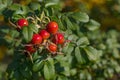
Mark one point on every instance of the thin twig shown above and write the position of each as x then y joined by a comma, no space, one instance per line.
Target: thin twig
30,57
47,18
12,23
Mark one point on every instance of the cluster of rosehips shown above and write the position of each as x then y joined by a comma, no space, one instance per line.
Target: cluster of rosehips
48,37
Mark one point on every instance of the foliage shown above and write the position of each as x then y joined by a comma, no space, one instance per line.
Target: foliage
89,53
109,62
105,11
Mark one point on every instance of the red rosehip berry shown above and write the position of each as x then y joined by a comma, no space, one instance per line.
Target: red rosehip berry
52,27
52,47
30,49
44,34
36,39
22,22
58,38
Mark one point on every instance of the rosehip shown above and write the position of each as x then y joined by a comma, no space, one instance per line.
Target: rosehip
52,27
58,38
36,39
52,47
22,22
44,34
30,49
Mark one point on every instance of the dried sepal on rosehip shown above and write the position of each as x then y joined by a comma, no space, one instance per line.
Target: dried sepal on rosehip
30,49
52,48
58,38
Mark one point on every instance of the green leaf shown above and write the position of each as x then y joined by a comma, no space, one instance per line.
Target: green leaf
16,17
73,72
51,67
78,56
72,37
34,6
11,74
33,28
59,78
18,42
117,68
27,34
15,6
92,25
70,49
5,3
92,53
9,2
59,57
50,4
23,10
35,56
46,72
14,33
65,49
61,26
66,71
62,78
4,31
17,75
63,22
82,42
69,24
116,53
50,11
85,75
80,16
76,26
30,33
38,65
26,72
63,67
